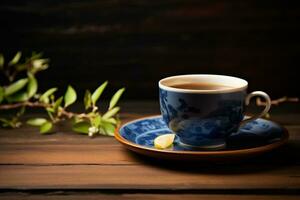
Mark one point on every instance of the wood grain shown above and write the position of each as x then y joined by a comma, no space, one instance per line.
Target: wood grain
108,165
72,166
146,177
79,149
84,154
14,196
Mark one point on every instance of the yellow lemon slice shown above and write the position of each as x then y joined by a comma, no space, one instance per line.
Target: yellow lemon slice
164,141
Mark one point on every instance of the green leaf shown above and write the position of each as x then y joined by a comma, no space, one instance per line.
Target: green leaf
21,67
70,96
82,127
18,97
1,61
39,64
50,109
32,86
115,98
36,121
109,129
1,94
4,122
96,121
15,87
87,99
35,55
97,93
15,59
57,103
76,119
46,127
111,113
50,115
45,97
110,120
8,123
21,111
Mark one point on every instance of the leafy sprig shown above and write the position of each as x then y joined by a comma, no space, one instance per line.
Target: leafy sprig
22,93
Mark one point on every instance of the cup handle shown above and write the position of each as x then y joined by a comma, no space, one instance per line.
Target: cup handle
266,109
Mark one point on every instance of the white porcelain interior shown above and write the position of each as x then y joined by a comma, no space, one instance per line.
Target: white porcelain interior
233,83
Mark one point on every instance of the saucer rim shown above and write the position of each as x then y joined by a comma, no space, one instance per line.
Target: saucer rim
253,150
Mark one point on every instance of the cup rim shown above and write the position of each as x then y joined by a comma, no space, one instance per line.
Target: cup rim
242,86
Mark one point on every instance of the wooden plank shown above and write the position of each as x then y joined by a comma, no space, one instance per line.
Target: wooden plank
29,160
108,165
286,114
115,154
150,175
60,154
63,134
14,196
74,149
30,135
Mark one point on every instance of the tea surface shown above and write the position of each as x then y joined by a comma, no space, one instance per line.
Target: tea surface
200,86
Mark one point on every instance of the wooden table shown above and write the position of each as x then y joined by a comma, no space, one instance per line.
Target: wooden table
67,165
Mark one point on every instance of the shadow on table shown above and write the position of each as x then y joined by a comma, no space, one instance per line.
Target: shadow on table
283,157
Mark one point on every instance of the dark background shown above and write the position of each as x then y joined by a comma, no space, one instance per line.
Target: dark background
136,43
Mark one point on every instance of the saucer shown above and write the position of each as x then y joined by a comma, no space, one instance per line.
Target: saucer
254,138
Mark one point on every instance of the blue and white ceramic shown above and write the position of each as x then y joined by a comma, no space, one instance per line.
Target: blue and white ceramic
205,118
257,133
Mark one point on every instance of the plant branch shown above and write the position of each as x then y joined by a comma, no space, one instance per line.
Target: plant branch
72,114
276,102
21,94
22,104
40,105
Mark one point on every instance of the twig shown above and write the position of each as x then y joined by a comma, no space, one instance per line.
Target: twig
276,102
40,105
22,104
72,114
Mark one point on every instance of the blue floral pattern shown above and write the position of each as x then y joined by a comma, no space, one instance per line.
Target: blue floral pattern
201,118
255,133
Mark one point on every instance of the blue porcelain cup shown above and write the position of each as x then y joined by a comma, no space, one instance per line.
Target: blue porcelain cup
204,118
